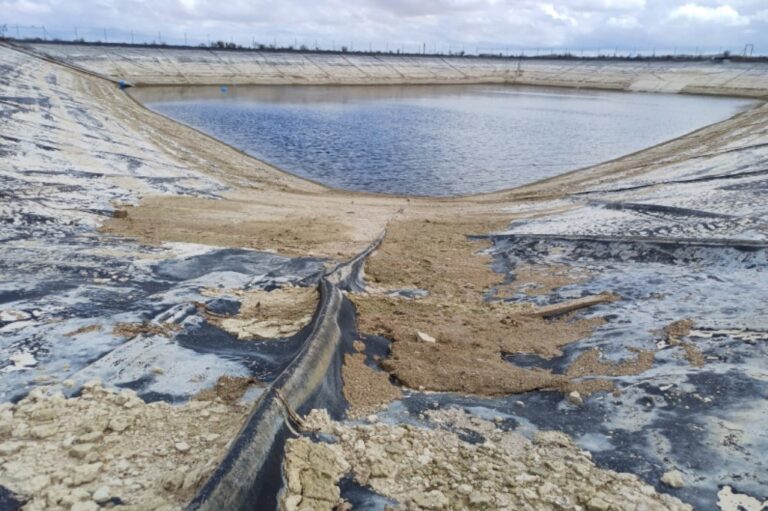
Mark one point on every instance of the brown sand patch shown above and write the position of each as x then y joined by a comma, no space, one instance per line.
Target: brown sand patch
543,337
589,364
449,367
364,388
281,312
470,341
220,223
471,334
129,330
693,354
87,329
677,329
228,389
682,328
329,224
436,255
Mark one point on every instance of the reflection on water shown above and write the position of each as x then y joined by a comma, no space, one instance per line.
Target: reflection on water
434,140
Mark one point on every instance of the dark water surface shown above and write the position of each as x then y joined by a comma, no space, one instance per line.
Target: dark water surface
434,140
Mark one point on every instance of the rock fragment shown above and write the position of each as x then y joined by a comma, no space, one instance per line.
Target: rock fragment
102,495
78,453
423,337
435,469
673,479
575,398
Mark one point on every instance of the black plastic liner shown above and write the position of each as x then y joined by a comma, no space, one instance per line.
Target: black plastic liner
9,501
250,475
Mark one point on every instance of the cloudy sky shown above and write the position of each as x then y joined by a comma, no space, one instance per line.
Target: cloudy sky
499,24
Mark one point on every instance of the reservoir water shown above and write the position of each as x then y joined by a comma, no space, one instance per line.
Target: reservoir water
434,140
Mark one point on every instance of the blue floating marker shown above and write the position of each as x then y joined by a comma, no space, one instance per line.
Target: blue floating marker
224,89
122,84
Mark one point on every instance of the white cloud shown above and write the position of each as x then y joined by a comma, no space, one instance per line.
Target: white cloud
720,15
487,24
553,13
606,5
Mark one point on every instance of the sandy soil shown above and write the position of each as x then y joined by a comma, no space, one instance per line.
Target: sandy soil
471,334
228,389
365,389
129,330
281,312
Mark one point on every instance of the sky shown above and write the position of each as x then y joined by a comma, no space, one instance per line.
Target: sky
472,25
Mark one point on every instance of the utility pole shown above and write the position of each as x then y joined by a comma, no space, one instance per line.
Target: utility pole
105,35
131,36
185,38
75,32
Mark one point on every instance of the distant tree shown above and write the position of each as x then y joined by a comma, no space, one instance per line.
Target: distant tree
344,49
224,44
